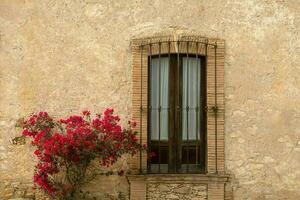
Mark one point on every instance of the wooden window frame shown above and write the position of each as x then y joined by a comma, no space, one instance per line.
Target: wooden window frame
175,144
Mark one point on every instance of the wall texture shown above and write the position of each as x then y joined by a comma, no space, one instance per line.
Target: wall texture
176,191
67,55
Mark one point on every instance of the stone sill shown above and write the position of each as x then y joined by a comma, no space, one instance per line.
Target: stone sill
179,178
214,185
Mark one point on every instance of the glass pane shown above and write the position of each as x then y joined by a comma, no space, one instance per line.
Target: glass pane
159,163
191,98
164,154
190,154
161,67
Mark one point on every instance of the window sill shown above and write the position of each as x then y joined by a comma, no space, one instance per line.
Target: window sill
183,186
179,178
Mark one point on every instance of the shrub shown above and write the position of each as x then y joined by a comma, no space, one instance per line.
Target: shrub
65,148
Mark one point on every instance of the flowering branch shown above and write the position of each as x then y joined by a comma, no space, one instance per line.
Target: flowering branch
66,148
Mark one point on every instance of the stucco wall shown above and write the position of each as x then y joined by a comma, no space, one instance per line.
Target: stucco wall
64,56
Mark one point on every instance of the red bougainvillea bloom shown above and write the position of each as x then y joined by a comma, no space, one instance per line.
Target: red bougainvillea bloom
69,145
86,113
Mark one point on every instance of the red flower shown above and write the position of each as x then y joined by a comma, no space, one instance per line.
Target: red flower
151,155
86,113
27,133
37,152
76,141
132,124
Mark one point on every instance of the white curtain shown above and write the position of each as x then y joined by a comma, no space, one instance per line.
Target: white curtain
161,67
191,98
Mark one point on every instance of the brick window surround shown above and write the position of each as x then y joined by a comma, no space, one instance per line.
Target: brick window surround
215,176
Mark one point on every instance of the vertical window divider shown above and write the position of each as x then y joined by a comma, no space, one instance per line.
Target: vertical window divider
197,104
177,118
159,109
170,136
187,104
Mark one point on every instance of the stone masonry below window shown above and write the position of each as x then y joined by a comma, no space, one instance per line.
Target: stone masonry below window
174,191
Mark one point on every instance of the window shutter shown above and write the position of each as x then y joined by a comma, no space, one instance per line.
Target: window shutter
215,107
138,164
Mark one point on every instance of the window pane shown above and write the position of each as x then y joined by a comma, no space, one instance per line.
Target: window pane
161,67
191,97
162,166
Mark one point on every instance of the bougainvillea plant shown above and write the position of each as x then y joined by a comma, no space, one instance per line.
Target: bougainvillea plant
65,148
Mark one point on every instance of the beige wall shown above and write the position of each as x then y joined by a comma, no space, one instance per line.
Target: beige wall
66,55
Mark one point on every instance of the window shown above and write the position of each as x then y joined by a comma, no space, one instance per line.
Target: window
178,103
176,116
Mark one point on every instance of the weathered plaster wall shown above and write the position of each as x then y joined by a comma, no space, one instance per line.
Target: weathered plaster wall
64,56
